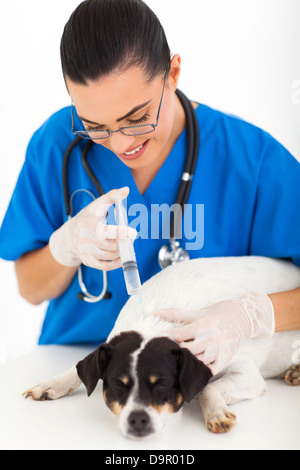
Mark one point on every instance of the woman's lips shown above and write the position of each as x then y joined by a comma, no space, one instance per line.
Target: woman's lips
136,154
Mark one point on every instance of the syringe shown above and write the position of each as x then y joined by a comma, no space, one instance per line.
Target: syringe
129,264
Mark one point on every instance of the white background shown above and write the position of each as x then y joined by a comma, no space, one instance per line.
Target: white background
239,56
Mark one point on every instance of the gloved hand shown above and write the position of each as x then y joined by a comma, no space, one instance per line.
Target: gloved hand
87,239
219,330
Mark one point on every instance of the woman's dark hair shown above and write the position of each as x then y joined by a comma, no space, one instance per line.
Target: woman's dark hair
104,35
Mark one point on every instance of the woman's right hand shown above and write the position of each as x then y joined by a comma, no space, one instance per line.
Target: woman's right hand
87,239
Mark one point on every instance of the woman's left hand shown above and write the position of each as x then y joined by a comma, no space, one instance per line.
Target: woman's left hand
216,333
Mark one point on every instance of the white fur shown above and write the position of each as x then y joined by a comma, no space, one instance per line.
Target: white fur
196,284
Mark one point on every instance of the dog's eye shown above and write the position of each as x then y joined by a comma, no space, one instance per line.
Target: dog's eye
160,384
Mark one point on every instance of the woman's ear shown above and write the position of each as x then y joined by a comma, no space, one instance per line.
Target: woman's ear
174,74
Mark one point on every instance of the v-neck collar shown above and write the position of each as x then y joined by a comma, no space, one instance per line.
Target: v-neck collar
168,176
164,187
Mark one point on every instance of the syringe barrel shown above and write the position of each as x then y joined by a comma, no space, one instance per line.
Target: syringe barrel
132,277
129,264
126,250
125,244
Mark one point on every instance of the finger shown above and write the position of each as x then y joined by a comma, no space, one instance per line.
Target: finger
213,356
102,204
200,357
183,334
98,251
178,315
194,347
109,245
101,265
101,255
211,364
214,368
123,233
171,315
114,232
110,265
93,229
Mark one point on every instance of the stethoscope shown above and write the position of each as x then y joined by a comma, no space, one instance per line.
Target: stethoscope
170,253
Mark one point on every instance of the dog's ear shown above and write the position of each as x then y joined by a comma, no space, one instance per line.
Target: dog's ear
91,369
193,375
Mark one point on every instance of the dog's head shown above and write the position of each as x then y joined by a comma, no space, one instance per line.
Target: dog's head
144,381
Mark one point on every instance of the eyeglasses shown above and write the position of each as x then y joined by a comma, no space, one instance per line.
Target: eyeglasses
130,131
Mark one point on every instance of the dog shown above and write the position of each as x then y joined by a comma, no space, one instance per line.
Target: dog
147,377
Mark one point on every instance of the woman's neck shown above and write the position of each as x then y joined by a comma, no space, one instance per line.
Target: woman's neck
144,176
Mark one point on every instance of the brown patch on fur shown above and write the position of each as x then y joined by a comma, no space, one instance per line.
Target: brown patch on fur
153,379
179,399
165,408
125,380
116,408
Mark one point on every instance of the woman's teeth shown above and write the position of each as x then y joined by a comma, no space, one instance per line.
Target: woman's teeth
134,151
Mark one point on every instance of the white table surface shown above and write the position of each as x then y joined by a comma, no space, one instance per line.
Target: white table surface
81,423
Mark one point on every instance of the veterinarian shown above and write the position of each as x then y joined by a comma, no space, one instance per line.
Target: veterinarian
120,76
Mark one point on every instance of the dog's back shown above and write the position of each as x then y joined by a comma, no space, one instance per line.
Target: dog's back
195,284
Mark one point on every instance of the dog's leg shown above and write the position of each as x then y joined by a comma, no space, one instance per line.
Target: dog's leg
241,381
57,387
293,376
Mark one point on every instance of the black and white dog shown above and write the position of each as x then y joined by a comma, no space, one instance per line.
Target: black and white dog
147,377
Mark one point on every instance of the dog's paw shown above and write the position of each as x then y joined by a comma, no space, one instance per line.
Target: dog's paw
220,421
49,390
293,376
55,388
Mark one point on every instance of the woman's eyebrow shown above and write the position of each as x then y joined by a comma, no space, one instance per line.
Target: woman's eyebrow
133,111
87,120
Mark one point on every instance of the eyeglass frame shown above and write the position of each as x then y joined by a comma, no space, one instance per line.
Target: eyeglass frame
154,126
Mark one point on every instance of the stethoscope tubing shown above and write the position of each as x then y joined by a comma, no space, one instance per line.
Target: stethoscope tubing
182,197
65,179
191,158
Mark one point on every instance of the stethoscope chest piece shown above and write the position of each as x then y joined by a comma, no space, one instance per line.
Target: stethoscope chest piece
172,254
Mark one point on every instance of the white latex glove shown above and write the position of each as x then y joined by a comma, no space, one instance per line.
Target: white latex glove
87,239
222,328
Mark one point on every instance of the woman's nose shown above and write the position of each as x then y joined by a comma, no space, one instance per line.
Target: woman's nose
120,143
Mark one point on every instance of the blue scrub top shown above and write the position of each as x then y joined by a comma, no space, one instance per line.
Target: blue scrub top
248,183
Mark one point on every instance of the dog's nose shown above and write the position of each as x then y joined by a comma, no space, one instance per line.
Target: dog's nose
139,423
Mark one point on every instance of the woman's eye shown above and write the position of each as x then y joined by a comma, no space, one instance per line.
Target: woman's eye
133,122
139,121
